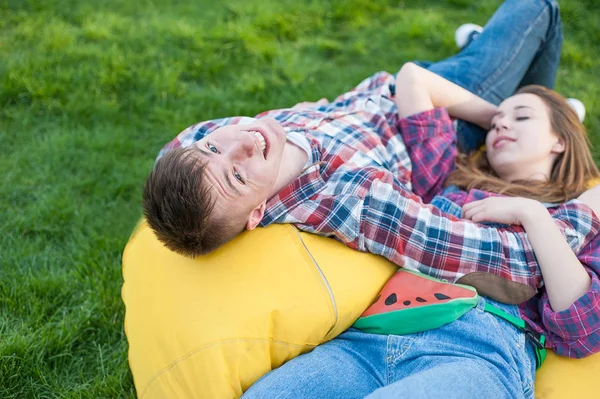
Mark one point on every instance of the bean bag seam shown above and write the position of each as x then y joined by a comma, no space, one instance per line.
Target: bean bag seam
324,281
213,344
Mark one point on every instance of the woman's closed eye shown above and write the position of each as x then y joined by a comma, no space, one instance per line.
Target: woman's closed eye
521,118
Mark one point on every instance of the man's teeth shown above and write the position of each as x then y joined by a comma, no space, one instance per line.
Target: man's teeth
261,140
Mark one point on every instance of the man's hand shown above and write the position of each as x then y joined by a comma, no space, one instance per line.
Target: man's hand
505,210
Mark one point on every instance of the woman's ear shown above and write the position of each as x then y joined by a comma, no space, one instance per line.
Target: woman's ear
559,146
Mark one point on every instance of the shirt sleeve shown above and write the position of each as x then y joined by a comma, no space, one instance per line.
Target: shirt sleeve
396,224
575,331
431,143
391,221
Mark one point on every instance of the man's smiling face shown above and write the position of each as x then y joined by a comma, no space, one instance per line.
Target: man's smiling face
242,166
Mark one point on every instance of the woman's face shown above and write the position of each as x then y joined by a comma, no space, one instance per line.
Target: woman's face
521,144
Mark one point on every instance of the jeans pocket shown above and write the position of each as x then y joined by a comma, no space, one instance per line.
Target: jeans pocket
398,348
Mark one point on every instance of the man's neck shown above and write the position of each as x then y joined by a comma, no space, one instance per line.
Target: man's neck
292,163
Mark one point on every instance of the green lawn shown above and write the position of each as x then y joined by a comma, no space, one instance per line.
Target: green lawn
90,91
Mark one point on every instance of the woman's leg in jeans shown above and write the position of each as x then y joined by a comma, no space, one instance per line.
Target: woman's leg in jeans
476,356
520,45
455,379
350,366
543,69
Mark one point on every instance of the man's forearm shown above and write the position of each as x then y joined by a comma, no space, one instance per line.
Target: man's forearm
396,224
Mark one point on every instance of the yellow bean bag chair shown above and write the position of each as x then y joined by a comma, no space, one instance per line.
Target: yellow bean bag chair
210,327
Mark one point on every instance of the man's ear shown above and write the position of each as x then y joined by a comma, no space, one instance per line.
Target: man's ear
256,216
559,146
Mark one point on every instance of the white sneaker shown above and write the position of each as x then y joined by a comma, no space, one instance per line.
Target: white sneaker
465,33
578,107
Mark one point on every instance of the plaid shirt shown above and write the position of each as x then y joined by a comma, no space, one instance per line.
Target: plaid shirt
357,190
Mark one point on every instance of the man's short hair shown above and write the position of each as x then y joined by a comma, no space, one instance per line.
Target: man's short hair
179,208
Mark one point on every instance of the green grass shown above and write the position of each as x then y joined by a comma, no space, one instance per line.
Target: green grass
90,91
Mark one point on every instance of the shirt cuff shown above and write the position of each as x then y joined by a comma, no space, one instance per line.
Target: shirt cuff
424,125
578,321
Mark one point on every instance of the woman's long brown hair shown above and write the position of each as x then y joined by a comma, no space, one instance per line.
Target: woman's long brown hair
573,169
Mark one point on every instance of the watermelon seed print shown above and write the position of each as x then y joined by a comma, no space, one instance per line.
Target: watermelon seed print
393,298
390,300
416,293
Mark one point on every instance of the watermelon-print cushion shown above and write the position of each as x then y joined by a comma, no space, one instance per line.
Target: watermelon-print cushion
411,302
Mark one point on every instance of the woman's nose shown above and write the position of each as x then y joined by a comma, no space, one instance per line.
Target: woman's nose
502,123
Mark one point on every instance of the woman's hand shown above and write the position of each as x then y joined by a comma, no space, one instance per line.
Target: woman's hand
565,278
505,210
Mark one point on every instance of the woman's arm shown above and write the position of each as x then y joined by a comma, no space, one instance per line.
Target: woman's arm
418,90
565,278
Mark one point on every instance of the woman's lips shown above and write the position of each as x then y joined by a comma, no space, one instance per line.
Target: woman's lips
502,141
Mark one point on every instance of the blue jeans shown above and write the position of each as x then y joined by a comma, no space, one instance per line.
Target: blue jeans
478,355
520,45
